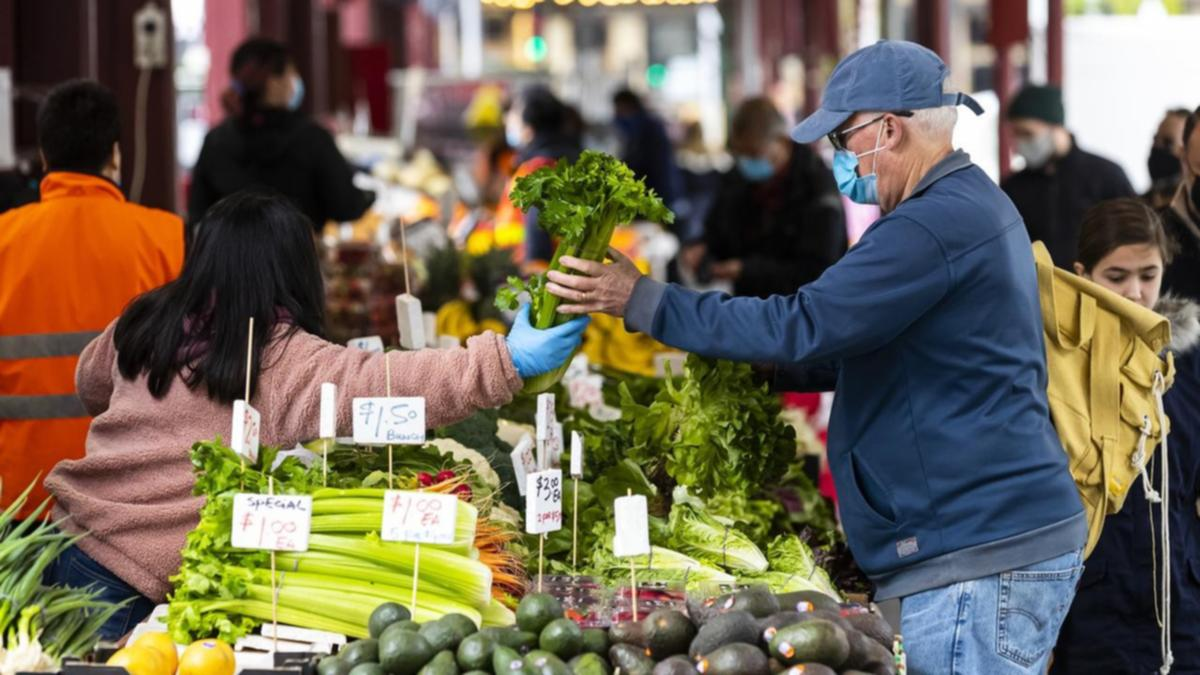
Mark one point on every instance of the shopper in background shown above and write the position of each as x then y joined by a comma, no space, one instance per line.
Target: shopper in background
1164,163
953,487
777,223
700,171
68,265
1113,626
1060,181
544,131
266,142
166,373
645,145
1182,218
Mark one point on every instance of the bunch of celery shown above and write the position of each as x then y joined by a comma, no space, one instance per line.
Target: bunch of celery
39,625
580,204
344,575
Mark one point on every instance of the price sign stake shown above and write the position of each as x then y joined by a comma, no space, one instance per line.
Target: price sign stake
576,474
328,429
633,536
543,509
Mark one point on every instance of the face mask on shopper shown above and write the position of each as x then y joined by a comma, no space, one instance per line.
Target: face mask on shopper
1037,151
1162,164
860,189
755,169
297,93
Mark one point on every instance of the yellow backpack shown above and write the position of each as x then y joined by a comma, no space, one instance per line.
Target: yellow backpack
1107,376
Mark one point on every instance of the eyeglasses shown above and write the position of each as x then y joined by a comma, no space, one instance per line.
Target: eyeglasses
838,139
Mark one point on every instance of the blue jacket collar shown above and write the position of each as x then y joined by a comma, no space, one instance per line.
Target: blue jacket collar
955,161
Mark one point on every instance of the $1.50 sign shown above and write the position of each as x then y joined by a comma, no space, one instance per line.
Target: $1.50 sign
272,522
387,421
543,502
419,517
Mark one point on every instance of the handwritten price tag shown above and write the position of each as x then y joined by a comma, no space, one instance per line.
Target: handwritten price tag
246,426
419,517
388,421
369,343
545,416
576,454
272,522
523,461
633,527
543,502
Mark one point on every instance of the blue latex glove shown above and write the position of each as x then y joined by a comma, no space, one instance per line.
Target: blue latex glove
535,352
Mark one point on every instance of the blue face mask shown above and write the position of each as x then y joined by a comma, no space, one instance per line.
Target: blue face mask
860,189
297,93
755,169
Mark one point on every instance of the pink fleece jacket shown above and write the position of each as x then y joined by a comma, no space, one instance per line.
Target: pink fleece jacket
132,491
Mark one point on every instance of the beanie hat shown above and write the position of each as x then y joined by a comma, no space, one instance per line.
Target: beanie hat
1038,102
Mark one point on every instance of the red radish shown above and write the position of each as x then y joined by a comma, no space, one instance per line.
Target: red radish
425,479
444,476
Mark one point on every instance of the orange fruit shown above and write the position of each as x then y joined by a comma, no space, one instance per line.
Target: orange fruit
207,657
163,644
139,661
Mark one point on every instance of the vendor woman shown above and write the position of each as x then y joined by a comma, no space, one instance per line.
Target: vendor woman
165,374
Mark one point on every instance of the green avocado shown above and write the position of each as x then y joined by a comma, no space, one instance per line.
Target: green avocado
817,641
563,638
724,629
360,651
541,662
667,633
631,660
590,664
738,658
442,664
758,600
367,669
385,615
475,652
332,665
403,652
442,634
676,665
537,610
595,641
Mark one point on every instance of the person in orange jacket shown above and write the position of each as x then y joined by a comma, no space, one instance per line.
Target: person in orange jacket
68,265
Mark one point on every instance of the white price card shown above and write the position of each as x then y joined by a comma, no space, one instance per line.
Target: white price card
328,410
673,361
554,447
523,461
543,502
389,421
246,425
419,517
576,454
545,416
369,343
272,522
633,527
429,321
410,321
448,342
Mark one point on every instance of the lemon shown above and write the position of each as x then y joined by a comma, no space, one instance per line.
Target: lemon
140,661
163,644
207,657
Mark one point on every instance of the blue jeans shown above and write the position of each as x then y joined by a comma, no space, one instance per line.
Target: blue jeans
75,569
999,625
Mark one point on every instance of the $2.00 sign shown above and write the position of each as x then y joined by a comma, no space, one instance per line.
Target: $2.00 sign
272,522
419,517
543,502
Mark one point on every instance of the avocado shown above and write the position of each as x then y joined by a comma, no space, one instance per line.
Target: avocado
758,600
385,615
595,641
738,658
367,669
403,652
537,610
332,665
541,662
771,625
590,663
816,640
506,660
814,600
478,672
563,638
442,634
735,626
461,623
865,653
475,651
513,638
676,665
628,633
703,611
360,651
873,626
834,617
810,669
407,624
630,659
667,633
442,664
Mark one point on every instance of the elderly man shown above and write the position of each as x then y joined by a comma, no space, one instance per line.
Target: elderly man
953,488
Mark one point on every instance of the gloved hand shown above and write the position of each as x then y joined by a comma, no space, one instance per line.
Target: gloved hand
540,351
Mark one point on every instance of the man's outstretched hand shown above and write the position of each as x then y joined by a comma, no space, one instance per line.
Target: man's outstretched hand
595,287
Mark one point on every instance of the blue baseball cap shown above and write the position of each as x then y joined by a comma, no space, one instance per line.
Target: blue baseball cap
888,76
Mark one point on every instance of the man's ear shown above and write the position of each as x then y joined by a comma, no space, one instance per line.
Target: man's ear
893,132
1080,271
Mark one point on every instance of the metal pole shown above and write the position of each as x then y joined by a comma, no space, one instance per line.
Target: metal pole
1054,43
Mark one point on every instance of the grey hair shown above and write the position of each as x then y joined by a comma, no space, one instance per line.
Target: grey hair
935,123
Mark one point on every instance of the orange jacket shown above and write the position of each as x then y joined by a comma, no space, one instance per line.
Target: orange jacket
68,266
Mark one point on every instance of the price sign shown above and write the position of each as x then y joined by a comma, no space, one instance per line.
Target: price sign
523,461
585,392
429,321
272,522
370,343
328,410
554,447
545,416
246,425
576,454
410,321
388,421
419,517
669,362
543,502
633,527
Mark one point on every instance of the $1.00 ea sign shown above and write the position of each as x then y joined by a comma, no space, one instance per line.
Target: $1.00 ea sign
419,517
387,421
543,502
272,522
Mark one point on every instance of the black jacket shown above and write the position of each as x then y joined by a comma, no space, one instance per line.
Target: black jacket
1053,199
538,245
1111,628
1182,277
286,152
786,231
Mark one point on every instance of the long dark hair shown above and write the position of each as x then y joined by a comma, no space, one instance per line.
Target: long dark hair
254,256
1112,224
